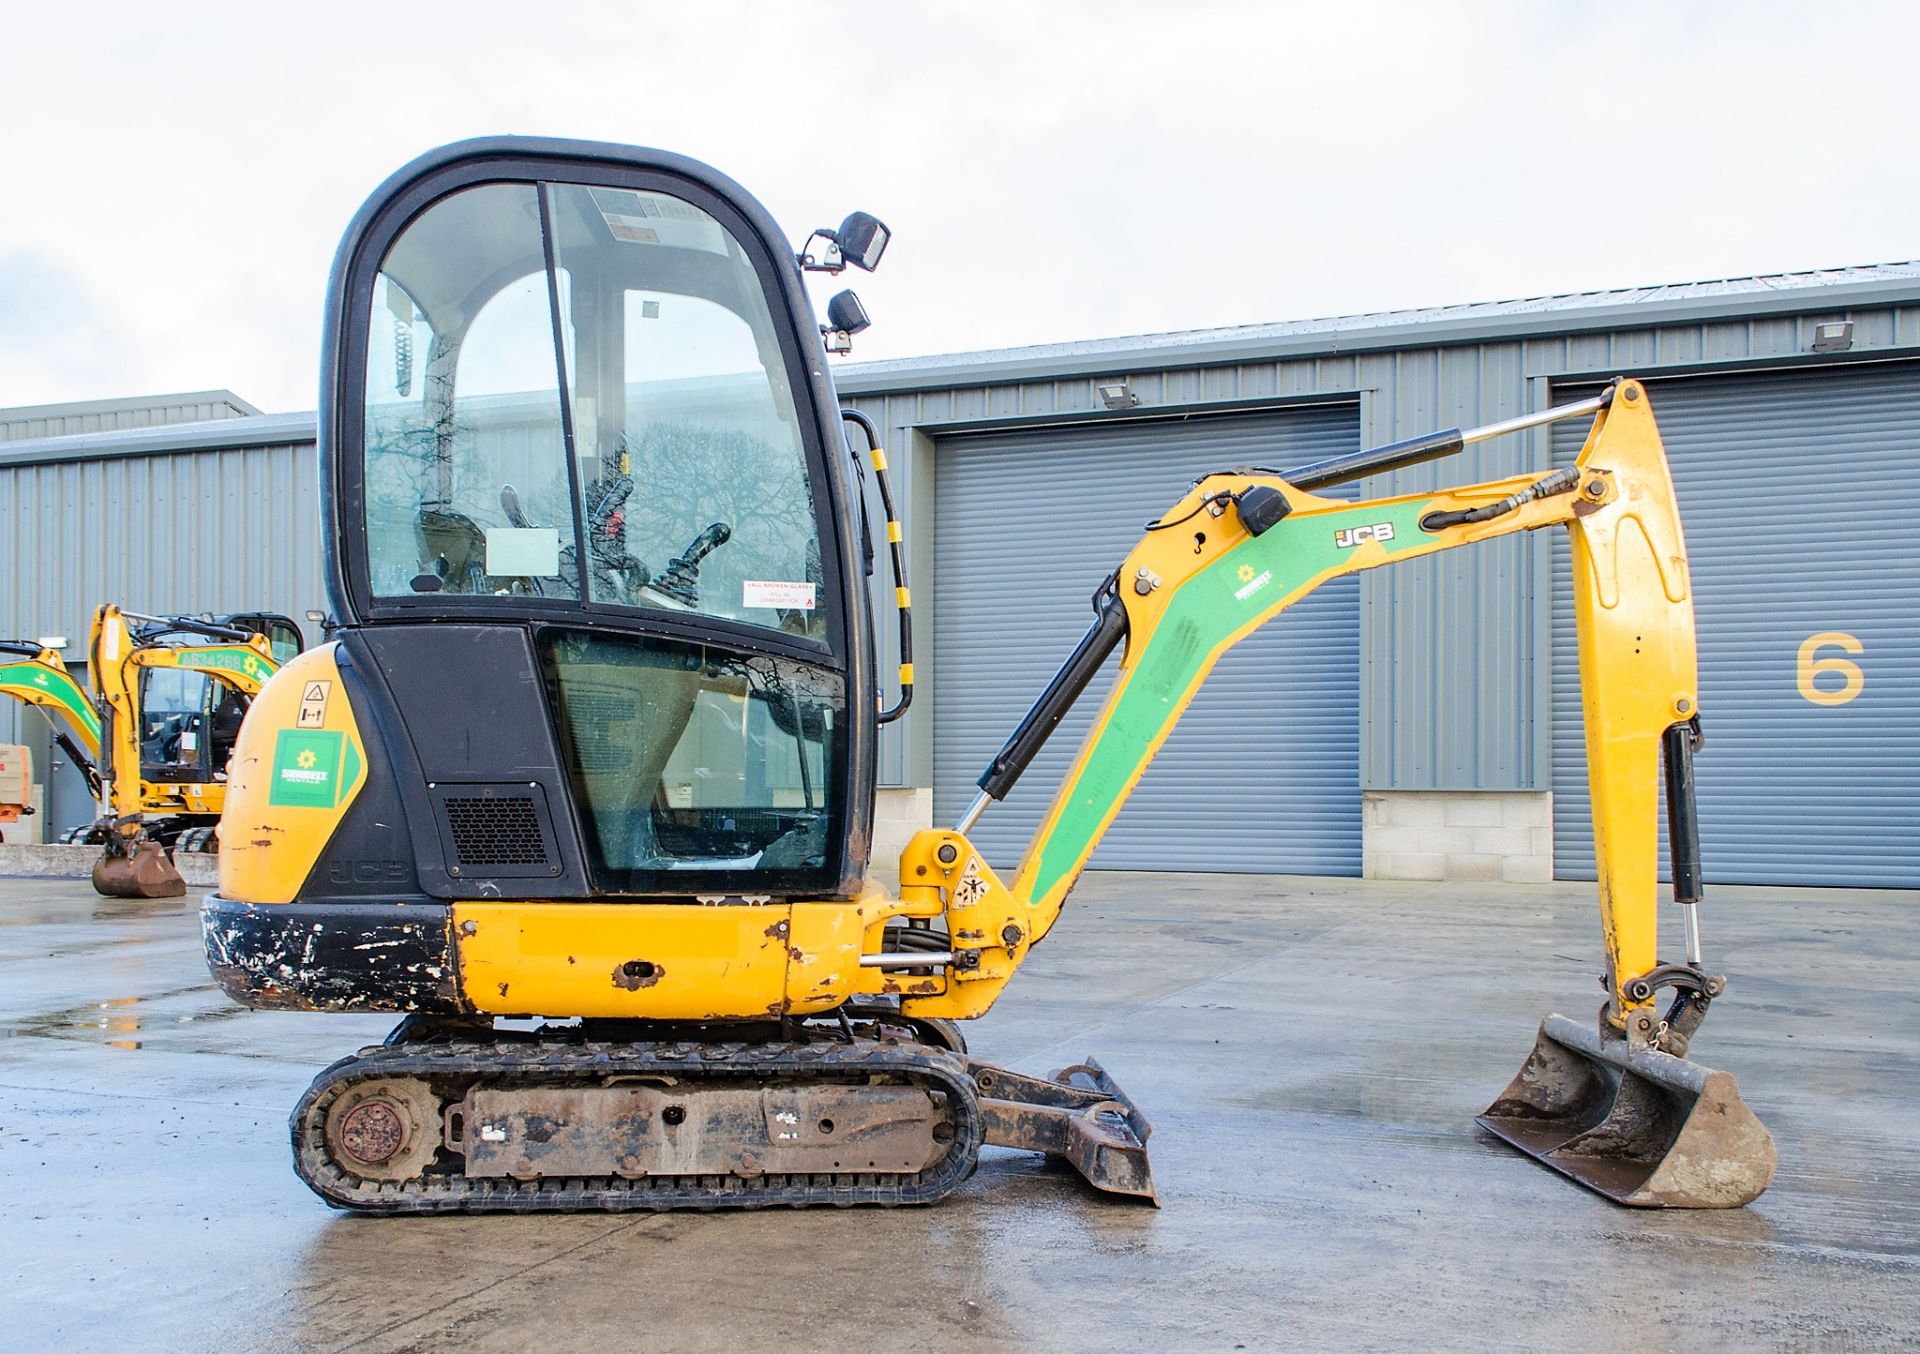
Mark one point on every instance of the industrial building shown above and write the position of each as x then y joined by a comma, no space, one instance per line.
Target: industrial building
1421,722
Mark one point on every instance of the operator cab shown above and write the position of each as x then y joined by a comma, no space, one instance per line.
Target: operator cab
582,447
282,635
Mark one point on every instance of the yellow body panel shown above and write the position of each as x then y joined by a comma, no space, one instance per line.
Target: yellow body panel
658,961
274,828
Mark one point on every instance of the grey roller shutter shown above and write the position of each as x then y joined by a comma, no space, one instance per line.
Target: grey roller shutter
1262,774
1799,495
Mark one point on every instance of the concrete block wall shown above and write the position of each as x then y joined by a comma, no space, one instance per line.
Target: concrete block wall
1458,835
897,815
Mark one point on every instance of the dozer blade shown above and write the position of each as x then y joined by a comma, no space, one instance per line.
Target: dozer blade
143,872
1643,1128
1080,1116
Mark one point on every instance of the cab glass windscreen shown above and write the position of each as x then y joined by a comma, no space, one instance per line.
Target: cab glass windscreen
693,475
687,489
466,469
693,764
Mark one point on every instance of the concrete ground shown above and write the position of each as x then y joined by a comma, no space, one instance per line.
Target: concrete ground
1311,1051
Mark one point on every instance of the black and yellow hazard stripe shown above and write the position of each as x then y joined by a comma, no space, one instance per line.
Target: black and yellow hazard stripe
897,552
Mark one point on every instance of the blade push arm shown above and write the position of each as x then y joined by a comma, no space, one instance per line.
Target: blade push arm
1242,547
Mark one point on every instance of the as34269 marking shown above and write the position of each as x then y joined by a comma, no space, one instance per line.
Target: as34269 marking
1348,537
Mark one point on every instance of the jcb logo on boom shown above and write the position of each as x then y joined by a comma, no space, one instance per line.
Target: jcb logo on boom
1348,537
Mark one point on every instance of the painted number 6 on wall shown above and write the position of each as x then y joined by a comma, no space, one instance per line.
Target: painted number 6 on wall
1812,668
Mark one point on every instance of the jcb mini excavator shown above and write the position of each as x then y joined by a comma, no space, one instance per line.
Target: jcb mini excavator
592,741
169,695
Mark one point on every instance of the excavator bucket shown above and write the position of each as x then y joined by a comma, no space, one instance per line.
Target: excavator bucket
140,870
1643,1128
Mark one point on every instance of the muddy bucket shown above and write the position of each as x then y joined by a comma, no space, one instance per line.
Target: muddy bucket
142,872
1643,1128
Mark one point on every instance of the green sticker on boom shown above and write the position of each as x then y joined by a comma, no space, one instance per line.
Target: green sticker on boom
307,767
230,658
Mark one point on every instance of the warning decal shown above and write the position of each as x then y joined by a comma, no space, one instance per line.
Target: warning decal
765,593
313,705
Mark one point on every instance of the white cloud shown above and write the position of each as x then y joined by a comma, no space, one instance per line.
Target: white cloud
1057,171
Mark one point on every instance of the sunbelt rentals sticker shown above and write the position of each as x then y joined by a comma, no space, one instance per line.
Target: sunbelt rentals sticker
307,768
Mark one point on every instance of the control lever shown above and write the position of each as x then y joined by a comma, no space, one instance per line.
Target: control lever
681,579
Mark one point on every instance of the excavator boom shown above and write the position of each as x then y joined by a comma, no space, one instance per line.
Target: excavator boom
36,675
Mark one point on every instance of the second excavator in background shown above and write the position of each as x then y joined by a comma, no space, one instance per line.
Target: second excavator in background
153,737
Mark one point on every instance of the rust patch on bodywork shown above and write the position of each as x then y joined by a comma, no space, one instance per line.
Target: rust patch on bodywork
635,974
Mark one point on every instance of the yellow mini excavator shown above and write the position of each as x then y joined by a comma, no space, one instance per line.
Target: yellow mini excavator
593,742
169,696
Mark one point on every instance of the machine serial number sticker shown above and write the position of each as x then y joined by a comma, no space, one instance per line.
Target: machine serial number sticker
313,706
306,768
1349,537
788,596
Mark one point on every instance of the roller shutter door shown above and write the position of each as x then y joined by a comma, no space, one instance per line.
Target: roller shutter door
1800,497
1262,773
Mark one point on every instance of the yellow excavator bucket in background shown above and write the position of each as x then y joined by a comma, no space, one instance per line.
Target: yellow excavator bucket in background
1642,1127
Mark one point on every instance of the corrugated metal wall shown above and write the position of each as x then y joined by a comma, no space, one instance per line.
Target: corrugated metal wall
235,529
1455,657
1799,494
98,416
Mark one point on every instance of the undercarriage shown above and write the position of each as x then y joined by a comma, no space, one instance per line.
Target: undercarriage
616,1115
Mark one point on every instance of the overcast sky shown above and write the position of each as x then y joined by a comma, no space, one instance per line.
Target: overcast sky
177,176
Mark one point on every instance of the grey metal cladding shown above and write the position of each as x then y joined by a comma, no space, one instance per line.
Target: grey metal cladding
1630,309
1799,497
1262,773
1447,649
94,416
227,530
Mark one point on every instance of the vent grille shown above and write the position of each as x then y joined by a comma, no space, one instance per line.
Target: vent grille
491,830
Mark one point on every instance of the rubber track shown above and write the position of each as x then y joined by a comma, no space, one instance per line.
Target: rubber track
466,1063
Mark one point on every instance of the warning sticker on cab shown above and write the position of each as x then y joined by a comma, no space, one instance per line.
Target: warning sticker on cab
786,596
313,705
306,768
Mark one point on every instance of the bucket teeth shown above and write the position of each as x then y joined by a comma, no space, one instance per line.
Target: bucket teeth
1641,1127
